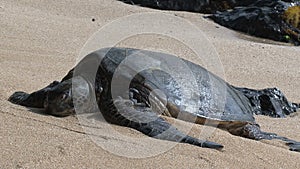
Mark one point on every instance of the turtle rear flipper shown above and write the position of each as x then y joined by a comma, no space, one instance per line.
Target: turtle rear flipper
148,122
270,102
253,131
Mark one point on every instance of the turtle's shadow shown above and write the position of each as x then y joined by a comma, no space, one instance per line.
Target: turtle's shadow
93,116
39,111
89,116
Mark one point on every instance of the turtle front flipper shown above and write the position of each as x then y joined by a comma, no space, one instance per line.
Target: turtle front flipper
125,113
294,146
34,100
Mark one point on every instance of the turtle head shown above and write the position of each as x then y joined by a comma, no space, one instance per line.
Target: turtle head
58,101
71,94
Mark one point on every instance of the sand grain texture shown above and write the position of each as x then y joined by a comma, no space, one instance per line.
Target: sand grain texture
40,41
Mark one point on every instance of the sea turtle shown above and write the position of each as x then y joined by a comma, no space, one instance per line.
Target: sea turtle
273,19
101,79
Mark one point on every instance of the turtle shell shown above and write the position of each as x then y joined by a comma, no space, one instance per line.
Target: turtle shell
180,86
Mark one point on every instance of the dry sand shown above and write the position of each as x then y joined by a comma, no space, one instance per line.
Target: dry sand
40,41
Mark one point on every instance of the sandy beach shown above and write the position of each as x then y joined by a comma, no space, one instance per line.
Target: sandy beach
41,41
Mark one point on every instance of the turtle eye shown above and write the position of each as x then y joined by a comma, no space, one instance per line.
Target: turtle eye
63,96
